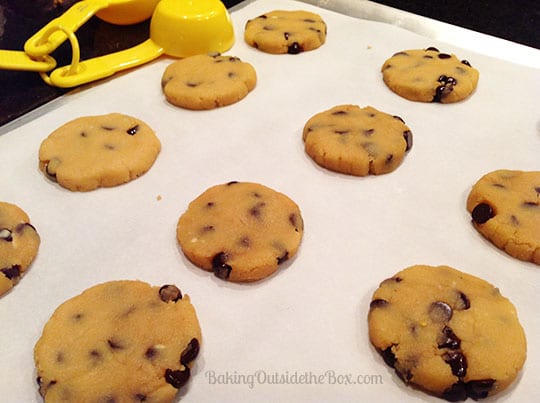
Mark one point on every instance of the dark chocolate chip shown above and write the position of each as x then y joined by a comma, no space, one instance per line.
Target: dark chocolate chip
378,303
293,219
455,393
255,211
466,63
389,159
479,389
339,113
294,48
192,84
457,362
399,118
12,273
432,48
139,397
448,339
400,54
440,312
133,130
190,352
108,128
95,355
444,56
482,213
407,135
286,35
177,378
232,183
528,204
5,235
388,357
283,258
83,134
368,132
537,189
115,345
341,131
514,220
221,269
150,353
170,292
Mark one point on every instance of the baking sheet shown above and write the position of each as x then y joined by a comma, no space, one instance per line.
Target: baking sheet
300,335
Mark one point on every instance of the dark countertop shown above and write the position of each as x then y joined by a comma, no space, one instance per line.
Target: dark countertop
21,92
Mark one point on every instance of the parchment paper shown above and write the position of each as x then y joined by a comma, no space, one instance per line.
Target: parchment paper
300,335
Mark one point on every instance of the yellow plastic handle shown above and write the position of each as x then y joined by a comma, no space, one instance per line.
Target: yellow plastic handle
18,60
104,66
41,44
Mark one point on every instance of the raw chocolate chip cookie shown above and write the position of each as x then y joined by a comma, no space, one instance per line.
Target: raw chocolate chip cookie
19,243
505,208
447,332
283,31
241,231
210,81
98,151
357,141
121,341
427,75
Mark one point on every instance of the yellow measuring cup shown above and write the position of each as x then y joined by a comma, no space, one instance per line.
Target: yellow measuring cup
37,49
120,12
178,28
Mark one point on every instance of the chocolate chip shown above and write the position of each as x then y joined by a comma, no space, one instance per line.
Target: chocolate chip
170,292
399,118
221,269
407,135
51,167
482,213
466,63
294,49
463,302
448,339
283,258
479,389
341,132
132,130
191,84
286,35
13,273
400,54
339,113
5,235
456,392
444,56
59,356
190,352
139,397
368,132
177,378
457,362
295,221
537,189
95,355
245,242
255,211
108,128
389,159
432,48
378,303
528,204
115,345
440,312
388,357
150,353
232,183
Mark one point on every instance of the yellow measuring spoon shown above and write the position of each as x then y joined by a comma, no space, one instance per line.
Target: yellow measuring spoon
120,12
178,28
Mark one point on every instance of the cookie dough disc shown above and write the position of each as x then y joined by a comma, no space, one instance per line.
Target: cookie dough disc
241,231
98,151
427,75
447,332
120,341
19,243
207,81
357,141
505,208
283,31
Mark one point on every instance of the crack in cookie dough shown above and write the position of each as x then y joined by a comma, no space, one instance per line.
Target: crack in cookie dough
440,329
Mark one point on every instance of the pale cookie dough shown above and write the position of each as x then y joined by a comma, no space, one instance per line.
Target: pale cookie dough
241,231
282,31
98,151
446,332
505,208
120,341
19,244
210,81
427,75
357,141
